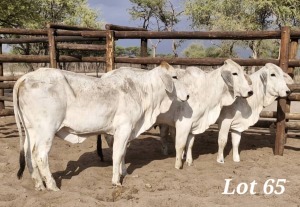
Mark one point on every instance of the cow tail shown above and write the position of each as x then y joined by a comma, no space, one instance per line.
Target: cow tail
18,122
99,147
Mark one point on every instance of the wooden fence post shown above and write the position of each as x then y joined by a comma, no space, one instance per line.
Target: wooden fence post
281,104
1,74
110,49
52,47
144,52
293,49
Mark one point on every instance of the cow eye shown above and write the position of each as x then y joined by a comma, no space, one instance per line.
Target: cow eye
273,75
175,77
234,74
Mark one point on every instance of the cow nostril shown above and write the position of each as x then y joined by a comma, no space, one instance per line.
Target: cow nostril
288,92
250,93
187,97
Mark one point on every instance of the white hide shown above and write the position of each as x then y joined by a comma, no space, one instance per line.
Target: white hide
51,102
268,83
209,92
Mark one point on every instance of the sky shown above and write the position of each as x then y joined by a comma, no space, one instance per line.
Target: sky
116,12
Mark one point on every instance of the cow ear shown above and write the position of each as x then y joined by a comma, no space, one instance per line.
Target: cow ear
264,77
227,77
287,78
168,82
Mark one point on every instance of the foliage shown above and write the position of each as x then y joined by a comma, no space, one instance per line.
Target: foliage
128,51
37,13
199,51
160,15
33,14
195,51
245,15
18,13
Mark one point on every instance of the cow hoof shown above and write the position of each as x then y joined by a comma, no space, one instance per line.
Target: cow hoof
220,161
53,188
178,166
236,160
117,184
189,162
40,187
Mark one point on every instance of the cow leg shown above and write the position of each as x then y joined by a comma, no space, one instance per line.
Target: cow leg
222,139
172,131
99,148
41,154
123,169
236,138
190,143
180,143
121,138
31,163
164,131
109,140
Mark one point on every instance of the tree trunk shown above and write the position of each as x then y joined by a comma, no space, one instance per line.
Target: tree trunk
153,51
254,48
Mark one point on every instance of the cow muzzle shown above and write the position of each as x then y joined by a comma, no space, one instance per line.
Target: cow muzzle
184,99
247,94
250,93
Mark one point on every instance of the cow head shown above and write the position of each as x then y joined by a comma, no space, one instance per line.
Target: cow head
237,82
168,76
275,83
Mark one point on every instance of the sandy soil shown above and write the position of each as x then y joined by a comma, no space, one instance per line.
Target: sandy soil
152,178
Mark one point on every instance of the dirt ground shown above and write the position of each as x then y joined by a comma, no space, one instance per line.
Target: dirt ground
152,179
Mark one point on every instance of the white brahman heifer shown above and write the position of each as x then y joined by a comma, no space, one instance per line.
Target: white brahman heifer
51,102
268,83
209,92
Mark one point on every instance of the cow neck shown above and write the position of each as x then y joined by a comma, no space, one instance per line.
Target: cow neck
158,91
212,89
216,90
155,95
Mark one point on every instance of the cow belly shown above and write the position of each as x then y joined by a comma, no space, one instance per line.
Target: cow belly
73,138
88,121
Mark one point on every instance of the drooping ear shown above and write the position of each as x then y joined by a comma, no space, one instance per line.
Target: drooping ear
167,79
287,78
168,82
248,79
227,77
264,77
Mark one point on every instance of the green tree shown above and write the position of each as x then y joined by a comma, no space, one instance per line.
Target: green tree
196,50
18,13
160,15
128,51
245,15
37,13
